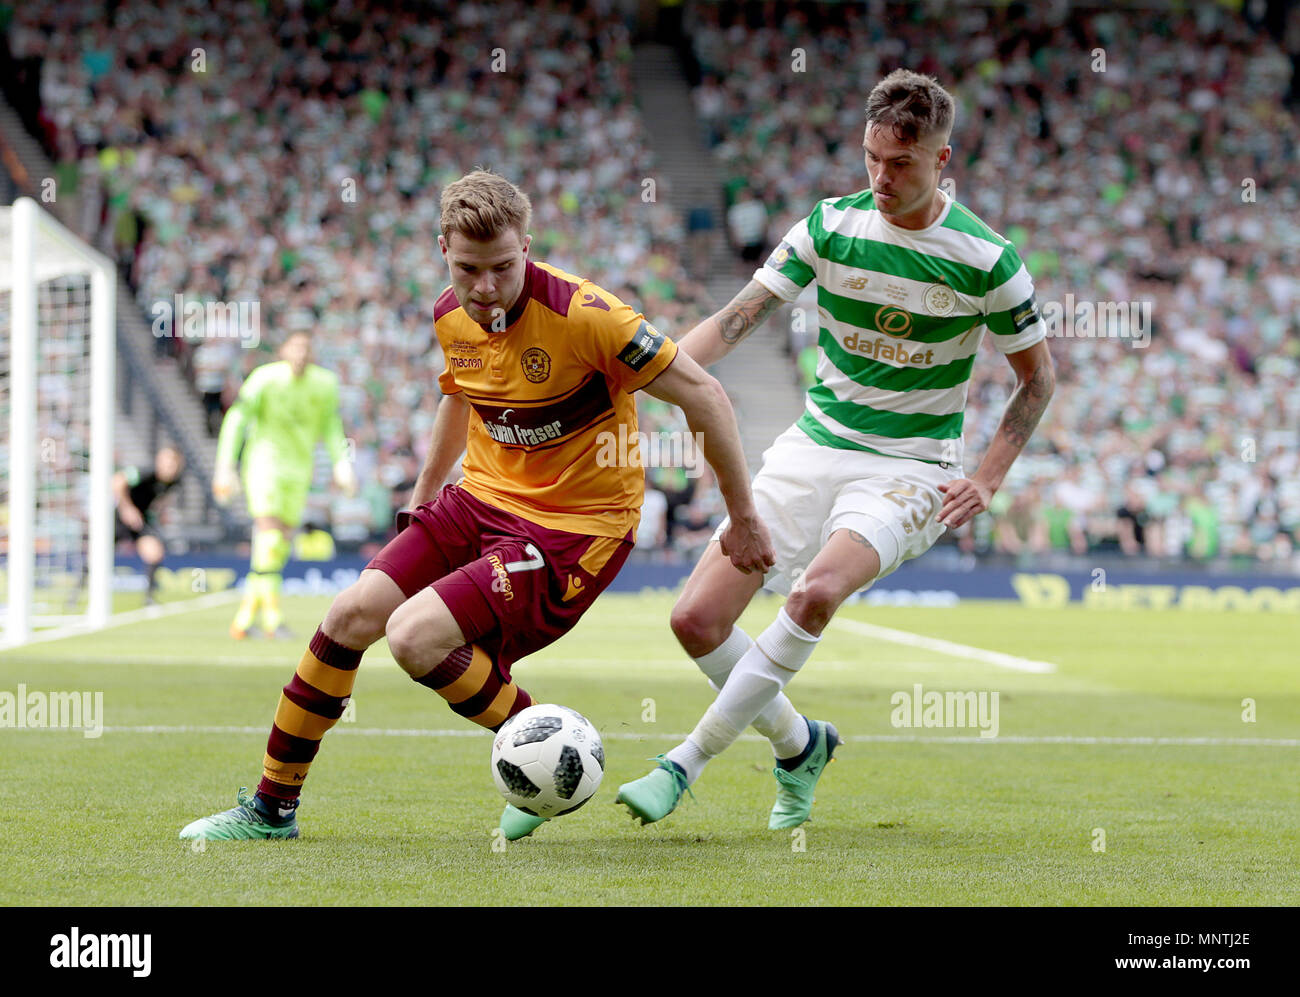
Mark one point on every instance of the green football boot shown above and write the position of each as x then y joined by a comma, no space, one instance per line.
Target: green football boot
794,790
653,797
240,823
516,824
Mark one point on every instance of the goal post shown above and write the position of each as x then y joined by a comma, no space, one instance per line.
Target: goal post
58,386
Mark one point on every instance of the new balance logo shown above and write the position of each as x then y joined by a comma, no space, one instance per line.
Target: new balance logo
854,283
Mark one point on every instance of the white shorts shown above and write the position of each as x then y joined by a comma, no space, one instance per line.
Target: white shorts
805,492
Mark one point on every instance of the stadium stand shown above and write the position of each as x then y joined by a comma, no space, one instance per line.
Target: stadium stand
280,159
1121,181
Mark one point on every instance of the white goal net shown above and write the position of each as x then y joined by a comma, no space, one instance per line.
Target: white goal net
57,356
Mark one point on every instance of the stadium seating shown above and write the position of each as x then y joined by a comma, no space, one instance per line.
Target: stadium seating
289,163
1160,165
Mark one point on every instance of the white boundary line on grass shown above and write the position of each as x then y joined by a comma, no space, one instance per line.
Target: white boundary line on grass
1260,742
130,616
947,647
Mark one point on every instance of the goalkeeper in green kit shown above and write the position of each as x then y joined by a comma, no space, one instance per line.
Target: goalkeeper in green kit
283,408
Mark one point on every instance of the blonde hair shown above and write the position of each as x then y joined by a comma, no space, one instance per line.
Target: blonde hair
481,205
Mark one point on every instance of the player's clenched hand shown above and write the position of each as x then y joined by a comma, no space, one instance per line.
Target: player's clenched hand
963,500
748,544
225,482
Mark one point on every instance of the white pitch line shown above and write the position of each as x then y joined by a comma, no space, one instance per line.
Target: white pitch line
130,616
947,647
1258,742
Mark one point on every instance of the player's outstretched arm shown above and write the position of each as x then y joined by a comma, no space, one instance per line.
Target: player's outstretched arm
719,334
450,430
965,498
710,417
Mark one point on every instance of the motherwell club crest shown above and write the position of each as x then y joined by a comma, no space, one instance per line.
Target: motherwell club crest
537,365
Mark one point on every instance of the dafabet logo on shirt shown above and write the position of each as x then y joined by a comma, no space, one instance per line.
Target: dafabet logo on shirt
878,348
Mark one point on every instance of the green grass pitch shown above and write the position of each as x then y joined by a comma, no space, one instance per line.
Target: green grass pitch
1132,774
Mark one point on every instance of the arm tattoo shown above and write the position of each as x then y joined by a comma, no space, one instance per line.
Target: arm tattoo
857,537
1026,407
746,312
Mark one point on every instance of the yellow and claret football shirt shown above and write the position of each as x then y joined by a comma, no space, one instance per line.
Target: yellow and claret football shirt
547,396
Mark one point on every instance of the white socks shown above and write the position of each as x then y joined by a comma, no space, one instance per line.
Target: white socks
751,694
779,721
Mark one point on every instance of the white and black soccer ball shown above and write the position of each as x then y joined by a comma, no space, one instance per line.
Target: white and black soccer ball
547,760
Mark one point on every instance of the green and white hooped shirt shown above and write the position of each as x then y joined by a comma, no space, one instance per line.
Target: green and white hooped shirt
901,315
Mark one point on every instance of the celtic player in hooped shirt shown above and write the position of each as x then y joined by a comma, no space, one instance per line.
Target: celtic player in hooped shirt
540,364
908,281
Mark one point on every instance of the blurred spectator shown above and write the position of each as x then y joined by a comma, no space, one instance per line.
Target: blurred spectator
212,363
747,222
1137,532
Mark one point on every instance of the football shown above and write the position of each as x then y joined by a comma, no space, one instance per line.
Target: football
547,760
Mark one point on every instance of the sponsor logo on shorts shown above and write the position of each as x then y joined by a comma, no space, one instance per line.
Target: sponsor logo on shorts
501,583
537,364
574,588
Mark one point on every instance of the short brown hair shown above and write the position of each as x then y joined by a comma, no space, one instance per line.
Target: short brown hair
481,205
912,105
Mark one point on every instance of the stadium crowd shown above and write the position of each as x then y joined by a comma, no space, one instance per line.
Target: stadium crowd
270,155
1141,157
263,152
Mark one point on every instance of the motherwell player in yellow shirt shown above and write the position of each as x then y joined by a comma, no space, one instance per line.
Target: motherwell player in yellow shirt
539,364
